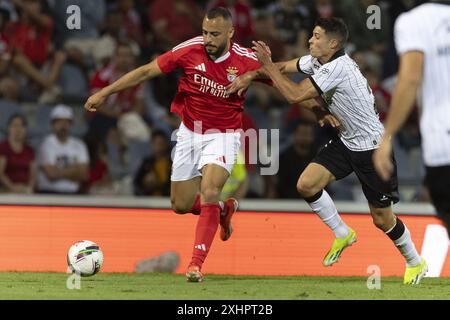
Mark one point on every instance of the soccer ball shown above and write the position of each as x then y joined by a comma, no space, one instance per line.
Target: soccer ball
85,258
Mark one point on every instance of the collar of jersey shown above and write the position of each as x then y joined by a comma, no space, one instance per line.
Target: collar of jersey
337,54
222,58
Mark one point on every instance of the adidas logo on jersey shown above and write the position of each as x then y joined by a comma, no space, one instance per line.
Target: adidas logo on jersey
200,247
201,67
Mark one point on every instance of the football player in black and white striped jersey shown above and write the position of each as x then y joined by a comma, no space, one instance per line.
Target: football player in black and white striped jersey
422,39
335,77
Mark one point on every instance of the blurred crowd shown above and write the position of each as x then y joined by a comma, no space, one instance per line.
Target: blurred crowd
52,57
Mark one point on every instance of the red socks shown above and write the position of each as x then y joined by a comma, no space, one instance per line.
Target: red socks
207,225
196,208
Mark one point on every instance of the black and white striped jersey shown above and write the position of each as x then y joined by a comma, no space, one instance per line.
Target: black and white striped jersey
349,99
427,29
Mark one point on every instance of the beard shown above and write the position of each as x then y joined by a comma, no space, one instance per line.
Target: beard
62,134
216,52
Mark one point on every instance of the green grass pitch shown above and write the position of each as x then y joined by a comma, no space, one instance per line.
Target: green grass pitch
27,285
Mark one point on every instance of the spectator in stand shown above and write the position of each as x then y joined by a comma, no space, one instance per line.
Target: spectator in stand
9,90
174,21
63,160
5,50
372,42
266,30
31,47
17,159
381,95
257,186
295,159
9,103
79,43
242,19
99,181
322,9
112,33
130,100
293,25
153,177
131,22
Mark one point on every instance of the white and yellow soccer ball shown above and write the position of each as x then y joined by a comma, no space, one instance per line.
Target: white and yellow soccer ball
85,258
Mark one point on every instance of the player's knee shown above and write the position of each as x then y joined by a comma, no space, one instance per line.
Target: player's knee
306,187
210,195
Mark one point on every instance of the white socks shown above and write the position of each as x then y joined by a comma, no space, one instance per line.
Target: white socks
401,237
323,205
327,211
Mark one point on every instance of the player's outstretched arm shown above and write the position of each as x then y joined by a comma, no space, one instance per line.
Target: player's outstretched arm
409,78
129,80
241,83
293,92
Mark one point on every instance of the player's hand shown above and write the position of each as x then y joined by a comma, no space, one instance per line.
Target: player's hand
239,85
262,52
95,101
324,117
382,159
331,120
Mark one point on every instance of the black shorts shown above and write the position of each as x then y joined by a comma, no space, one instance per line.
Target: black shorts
437,180
341,161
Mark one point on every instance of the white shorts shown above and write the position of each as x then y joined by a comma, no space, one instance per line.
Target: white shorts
193,151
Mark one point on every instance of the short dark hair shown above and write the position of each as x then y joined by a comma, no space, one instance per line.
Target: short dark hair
334,26
219,12
17,116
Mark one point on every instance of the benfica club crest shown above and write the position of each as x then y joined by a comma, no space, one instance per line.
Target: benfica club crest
232,73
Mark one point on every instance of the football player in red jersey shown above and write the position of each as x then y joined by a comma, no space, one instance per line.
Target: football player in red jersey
207,140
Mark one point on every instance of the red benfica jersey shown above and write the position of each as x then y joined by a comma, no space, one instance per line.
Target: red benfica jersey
201,90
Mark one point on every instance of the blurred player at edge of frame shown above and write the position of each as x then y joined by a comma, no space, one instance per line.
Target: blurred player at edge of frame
422,39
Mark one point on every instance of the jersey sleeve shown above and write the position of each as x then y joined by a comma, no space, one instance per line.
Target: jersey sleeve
174,58
167,62
328,77
305,65
407,34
